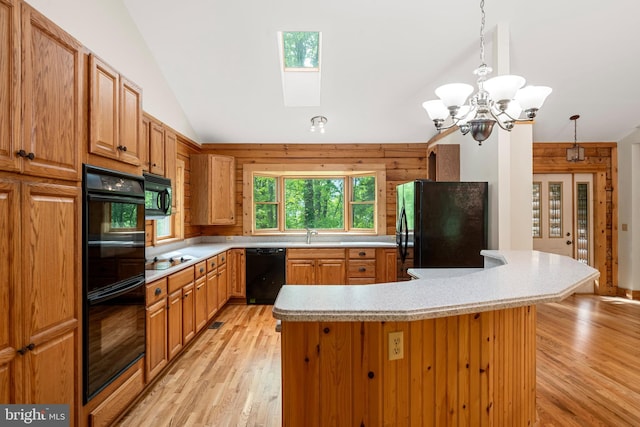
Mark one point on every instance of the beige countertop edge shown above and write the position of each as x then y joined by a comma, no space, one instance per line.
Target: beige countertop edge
451,296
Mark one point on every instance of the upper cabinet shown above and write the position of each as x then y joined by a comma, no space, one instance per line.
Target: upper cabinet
116,114
45,86
9,90
214,177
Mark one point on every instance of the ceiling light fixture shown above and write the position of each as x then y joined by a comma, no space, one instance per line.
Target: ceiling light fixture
501,100
317,123
575,153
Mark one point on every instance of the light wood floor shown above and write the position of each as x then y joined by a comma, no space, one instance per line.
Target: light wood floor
588,365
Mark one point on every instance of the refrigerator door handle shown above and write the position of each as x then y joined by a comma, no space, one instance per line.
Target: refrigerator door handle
404,226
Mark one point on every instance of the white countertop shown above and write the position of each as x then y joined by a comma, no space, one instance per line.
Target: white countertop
524,278
201,251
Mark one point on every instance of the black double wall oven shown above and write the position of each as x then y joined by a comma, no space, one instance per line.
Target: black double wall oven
113,275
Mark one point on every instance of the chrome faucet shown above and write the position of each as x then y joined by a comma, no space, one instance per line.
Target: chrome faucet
311,232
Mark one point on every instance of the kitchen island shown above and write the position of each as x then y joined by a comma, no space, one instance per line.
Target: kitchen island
450,349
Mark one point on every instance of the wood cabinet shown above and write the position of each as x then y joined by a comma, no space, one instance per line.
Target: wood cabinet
362,266
237,273
212,286
214,177
40,286
156,148
115,129
156,355
201,314
174,323
9,87
223,280
337,266
181,323
50,91
188,313
316,267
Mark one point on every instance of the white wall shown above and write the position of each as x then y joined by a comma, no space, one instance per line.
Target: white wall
105,27
629,211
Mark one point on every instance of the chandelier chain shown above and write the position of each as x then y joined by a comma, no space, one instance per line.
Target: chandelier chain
482,15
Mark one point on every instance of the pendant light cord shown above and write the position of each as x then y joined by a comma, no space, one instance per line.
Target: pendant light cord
482,16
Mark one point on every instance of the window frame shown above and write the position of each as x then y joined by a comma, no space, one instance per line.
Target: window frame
345,171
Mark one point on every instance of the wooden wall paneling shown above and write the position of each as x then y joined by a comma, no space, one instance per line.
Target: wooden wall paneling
301,371
403,162
336,358
614,217
463,366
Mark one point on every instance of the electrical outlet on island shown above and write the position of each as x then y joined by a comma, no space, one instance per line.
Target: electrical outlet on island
396,345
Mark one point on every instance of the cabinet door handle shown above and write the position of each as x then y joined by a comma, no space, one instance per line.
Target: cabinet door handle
24,154
24,349
122,147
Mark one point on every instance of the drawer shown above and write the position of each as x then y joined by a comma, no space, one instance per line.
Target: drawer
222,258
201,269
212,263
362,253
315,253
178,280
362,268
156,291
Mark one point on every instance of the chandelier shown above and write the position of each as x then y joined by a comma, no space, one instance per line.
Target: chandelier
575,153
500,99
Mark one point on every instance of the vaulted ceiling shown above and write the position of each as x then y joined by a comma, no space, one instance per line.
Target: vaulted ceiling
381,59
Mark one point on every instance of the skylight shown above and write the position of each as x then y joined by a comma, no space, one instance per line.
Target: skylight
301,50
300,57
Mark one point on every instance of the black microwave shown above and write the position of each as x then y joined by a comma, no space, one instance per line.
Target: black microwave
157,196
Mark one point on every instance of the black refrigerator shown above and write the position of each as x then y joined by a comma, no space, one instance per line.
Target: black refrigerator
445,222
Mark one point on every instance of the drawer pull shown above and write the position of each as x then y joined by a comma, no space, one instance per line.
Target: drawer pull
363,253
362,269
158,291
213,264
201,270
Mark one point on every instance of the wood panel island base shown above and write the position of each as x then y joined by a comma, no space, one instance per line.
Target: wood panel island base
454,348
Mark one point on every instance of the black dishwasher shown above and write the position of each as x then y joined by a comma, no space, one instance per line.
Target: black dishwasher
265,274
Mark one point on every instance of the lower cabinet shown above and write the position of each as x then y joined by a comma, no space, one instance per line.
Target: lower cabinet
174,323
201,303
40,290
237,273
188,313
316,267
156,355
355,266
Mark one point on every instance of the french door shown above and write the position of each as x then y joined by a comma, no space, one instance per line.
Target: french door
562,207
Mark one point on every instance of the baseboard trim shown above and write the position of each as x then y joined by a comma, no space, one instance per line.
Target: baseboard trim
628,293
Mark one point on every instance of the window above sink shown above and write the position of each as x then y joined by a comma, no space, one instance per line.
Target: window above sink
330,198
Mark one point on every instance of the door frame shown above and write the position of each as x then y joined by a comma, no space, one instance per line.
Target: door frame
601,160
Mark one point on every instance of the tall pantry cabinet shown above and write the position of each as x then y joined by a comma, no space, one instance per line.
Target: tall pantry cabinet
42,76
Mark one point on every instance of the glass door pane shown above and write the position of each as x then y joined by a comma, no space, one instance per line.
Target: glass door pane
535,206
582,222
555,209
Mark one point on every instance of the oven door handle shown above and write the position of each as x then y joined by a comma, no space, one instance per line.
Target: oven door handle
101,297
120,199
